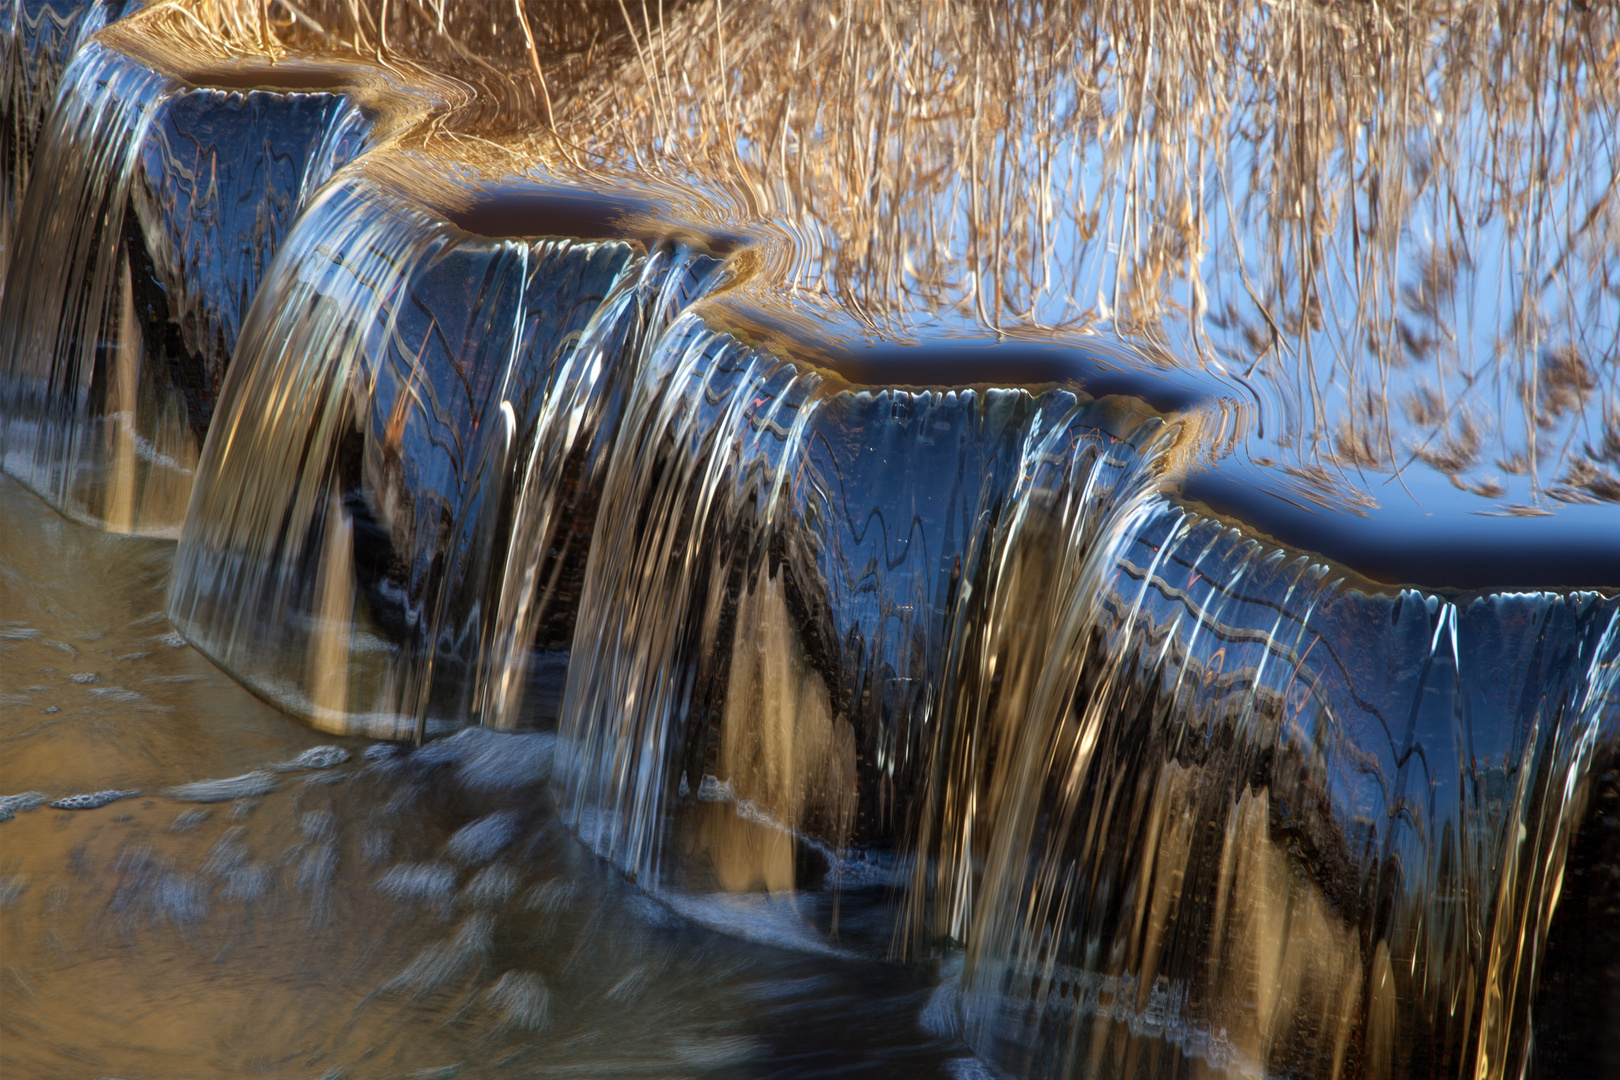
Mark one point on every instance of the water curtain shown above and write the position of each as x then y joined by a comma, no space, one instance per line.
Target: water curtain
388,495
935,659
152,215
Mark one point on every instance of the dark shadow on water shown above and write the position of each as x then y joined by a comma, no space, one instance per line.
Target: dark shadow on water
289,76
1432,536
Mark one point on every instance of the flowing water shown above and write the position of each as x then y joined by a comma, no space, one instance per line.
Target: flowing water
765,616
383,914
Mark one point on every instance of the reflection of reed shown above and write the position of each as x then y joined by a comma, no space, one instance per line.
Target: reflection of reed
1405,220
1260,182
119,513
332,623
784,754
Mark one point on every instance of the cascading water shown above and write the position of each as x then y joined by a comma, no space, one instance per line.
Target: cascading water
38,39
788,663
559,486
155,209
1268,818
1183,796
1010,655
429,408
82,305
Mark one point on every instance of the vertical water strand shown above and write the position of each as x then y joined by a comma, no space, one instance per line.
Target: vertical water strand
266,483
1048,567
1285,824
207,184
424,355
71,284
560,482
698,465
1545,815
477,412
456,334
902,487
754,701
37,41
583,314
1081,482
1103,865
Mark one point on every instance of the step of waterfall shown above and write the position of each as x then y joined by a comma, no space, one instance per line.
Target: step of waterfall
1014,649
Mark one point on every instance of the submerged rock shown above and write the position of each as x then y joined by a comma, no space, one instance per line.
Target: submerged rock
482,840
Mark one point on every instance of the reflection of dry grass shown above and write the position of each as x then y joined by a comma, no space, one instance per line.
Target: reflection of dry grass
505,51
1357,203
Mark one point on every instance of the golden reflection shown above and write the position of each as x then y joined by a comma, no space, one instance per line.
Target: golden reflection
1283,962
1367,213
119,514
788,761
329,637
150,451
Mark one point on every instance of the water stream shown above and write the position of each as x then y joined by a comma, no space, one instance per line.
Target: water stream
755,634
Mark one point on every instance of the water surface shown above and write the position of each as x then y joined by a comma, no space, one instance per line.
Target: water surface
420,914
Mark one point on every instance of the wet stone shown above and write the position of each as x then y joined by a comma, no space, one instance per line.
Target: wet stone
489,760
519,999
376,844
491,886
443,963
432,884
316,871
228,852
150,889
551,897
317,825
11,887
231,864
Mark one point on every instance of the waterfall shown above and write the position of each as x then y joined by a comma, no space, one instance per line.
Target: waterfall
36,41
406,438
1266,818
1179,794
944,652
66,321
153,211
782,563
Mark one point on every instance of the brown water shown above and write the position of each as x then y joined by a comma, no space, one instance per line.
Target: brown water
333,925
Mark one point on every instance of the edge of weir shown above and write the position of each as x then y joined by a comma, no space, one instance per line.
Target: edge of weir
1398,544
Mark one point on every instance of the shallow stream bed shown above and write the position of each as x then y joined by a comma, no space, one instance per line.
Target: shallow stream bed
397,914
